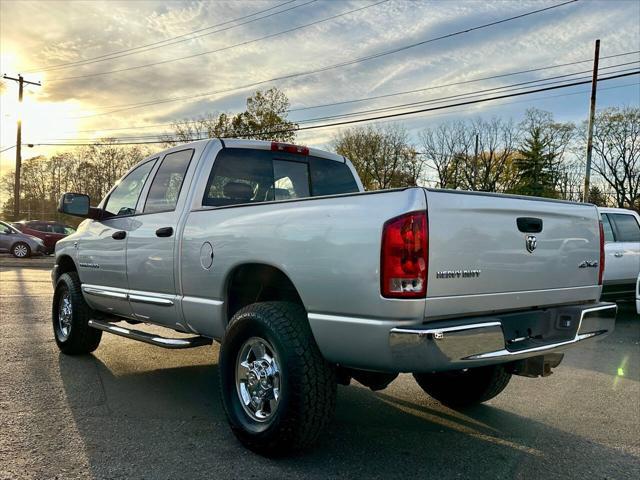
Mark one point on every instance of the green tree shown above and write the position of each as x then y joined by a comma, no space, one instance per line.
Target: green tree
265,118
598,197
542,168
534,167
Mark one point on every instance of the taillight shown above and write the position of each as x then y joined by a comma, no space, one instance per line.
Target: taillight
288,148
403,261
601,264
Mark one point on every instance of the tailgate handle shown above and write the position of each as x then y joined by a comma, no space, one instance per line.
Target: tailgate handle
529,224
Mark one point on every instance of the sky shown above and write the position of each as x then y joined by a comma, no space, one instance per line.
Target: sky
36,37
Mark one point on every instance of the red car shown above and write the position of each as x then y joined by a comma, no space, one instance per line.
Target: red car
49,231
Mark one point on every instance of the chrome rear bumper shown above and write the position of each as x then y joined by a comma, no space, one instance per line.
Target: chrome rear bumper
491,340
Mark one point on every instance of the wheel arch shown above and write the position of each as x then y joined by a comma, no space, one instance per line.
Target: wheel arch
64,264
258,282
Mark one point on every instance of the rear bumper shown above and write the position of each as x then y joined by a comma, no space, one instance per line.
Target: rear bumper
408,346
495,339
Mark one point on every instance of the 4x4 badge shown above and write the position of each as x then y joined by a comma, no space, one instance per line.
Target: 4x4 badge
531,242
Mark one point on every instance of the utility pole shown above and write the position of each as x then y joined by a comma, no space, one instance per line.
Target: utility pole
592,115
16,186
475,164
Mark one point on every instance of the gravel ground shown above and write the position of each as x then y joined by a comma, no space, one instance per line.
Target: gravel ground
136,411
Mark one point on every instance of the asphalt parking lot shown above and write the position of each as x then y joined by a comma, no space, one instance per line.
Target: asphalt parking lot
136,411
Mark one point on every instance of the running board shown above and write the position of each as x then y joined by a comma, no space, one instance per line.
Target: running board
189,342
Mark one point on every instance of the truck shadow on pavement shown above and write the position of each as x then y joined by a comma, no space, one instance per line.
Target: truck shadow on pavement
169,423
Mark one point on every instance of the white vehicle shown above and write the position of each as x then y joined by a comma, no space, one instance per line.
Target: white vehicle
622,252
638,295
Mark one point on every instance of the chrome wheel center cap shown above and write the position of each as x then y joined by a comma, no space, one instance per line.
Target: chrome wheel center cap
258,379
65,313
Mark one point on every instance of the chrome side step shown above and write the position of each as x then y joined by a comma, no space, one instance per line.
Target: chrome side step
157,340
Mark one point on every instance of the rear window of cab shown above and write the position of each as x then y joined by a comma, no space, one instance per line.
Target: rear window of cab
241,176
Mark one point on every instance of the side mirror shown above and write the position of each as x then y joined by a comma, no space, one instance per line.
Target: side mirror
76,204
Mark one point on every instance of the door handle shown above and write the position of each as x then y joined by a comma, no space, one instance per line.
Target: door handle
164,232
618,254
119,235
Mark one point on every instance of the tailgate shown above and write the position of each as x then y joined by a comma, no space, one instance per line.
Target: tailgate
477,247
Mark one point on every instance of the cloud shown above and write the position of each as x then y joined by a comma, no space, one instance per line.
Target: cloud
69,31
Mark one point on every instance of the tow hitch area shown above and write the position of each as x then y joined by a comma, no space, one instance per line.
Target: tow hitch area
539,366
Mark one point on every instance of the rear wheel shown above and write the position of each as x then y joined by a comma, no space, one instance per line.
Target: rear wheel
70,315
464,388
277,390
21,250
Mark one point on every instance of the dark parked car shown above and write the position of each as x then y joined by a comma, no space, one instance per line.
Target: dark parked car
49,231
20,245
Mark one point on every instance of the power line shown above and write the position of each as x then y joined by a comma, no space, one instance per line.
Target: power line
526,100
99,58
406,92
507,88
470,102
217,50
387,116
466,95
464,82
8,148
329,67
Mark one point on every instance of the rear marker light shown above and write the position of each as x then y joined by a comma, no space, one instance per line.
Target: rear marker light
403,260
288,148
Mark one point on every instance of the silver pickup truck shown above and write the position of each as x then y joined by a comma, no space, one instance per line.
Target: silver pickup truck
307,281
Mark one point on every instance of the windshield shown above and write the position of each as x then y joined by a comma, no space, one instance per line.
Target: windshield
6,226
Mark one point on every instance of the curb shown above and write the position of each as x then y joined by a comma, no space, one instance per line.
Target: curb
33,262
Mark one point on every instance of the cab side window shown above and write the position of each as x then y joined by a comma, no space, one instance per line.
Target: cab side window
329,177
124,198
167,183
239,176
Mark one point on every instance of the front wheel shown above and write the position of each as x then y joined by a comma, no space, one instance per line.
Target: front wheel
464,388
21,250
277,390
70,315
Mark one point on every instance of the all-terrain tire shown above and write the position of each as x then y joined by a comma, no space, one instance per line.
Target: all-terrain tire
73,334
307,383
464,388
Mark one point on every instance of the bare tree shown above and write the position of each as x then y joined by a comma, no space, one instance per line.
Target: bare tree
451,147
616,152
92,170
485,170
445,147
382,155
